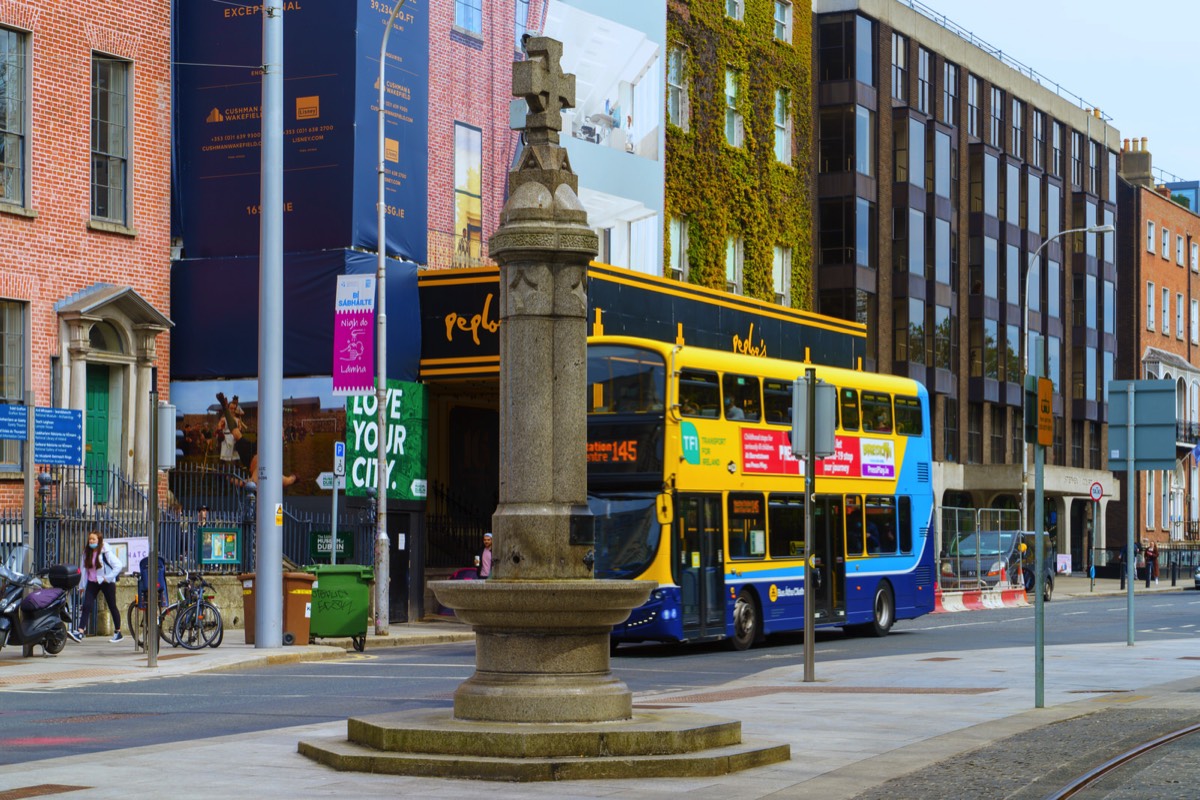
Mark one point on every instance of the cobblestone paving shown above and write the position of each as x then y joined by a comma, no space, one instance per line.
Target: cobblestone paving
1044,760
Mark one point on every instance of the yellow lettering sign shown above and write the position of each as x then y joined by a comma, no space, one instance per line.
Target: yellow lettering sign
483,320
747,347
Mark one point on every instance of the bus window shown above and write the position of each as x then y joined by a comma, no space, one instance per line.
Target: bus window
777,401
908,416
747,526
904,517
848,406
741,397
881,525
877,412
624,380
699,393
854,525
785,526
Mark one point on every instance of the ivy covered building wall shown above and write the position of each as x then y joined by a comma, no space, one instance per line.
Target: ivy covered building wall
738,147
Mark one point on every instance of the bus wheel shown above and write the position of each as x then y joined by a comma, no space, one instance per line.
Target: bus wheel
747,622
884,611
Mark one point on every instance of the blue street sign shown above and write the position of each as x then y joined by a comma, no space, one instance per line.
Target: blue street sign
58,436
14,423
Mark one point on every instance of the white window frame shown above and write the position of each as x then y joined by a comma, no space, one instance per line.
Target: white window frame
1149,305
1165,499
733,117
1150,500
733,264
1166,311
781,274
734,9
14,338
1166,244
18,77
1179,329
1179,249
118,208
783,127
1195,256
677,266
677,86
783,26
1149,236
900,66
1195,322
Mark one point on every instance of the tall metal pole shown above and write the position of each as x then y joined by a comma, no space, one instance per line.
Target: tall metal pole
151,631
268,607
810,499
1130,483
1039,580
29,518
383,549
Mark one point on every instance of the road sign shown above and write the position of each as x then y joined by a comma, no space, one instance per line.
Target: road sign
1153,424
1097,491
14,422
339,458
325,481
58,436
1045,415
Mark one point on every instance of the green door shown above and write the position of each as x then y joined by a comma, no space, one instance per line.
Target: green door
95,425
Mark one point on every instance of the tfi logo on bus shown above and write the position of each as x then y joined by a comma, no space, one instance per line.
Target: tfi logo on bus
691,442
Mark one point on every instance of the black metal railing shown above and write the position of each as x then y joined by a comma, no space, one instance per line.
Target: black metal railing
1187,432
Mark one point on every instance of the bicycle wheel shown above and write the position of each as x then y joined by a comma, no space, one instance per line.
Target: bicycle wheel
197,625
136,616
166,624
216,624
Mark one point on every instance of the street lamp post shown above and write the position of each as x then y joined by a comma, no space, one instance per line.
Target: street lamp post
1039,513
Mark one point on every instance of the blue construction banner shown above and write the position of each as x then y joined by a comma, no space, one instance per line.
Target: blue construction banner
214,304
331,66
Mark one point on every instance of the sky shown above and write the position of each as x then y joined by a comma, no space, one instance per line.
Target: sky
1139,62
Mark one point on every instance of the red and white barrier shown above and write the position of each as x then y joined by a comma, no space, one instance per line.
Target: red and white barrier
979,599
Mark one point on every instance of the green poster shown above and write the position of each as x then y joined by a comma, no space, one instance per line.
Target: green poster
406,449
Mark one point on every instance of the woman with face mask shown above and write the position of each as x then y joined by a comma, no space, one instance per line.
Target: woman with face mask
100,568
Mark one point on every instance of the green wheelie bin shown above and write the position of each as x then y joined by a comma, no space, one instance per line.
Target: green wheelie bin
341,602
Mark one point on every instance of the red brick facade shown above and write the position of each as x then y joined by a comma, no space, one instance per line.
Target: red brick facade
51,248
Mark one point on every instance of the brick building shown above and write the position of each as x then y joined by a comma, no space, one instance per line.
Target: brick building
84,222
942,170
1161,237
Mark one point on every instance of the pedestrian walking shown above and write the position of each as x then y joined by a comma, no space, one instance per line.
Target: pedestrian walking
100,567
1151,552
484,560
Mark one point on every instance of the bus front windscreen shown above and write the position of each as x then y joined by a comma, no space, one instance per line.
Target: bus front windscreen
627,533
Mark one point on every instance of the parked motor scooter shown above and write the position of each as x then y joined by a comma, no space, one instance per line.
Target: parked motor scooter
29,614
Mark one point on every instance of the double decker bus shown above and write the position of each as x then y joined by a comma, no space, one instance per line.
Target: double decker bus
692,484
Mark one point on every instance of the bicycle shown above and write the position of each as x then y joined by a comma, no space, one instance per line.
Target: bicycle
198,622
136,617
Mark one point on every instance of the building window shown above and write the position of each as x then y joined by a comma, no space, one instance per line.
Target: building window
110,138
521,22
677,89
1195,257
733,264
900,67
973,105
1076,159
1165,505
1179,250
1150,236
1178,316
1018,129
468,194
733,118
13,143
468,16
783,21
783,127
949,94
864,141
1150,499
781,275
1196,322
1149,306
950,429
1093,167
1077,443
910,330
1039,139
996,119
1056,143
678,237
12,373
864,50
924,79
975,433
1166,311
733,9
1166,244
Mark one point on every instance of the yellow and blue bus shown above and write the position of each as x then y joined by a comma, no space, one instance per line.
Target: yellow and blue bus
692,484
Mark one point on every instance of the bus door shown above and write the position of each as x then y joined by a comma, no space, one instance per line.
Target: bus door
699,568
828,568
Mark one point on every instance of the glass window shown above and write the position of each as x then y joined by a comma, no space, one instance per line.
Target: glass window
1039,139
848,409
945,334
1012,274
864,50
1033,285
1195,327
785,525
950,430
900,67
900,134
783,21
624,380
835,140
949,93
991,287
777,401
941,164
1110,307
996,119
699,393
1054,361
521,16
468,15
991,186
1056,145
881,526
864,141
741,397
941,251
110,138
916,153
1016,147
904,524
1112,178
1053,209
864,232
1166,311
733,117
1166,244
1053,289
924,78
877,412
1179,250
916,241
1012,352
468,193
1195,258
836,217
1149,499
1178,316
972,105
908,416
678,237
1093,167
781,274
1033,191
12,372
733,264
1090,301
1149,306
1012,194
783,127
834,49
1076,159
747,526
733,9
1150,235
13,137
677,90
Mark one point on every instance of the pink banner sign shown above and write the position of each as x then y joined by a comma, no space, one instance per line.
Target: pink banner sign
354,335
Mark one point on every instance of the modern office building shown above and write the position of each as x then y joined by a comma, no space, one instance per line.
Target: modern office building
1160,237
85,101
943,167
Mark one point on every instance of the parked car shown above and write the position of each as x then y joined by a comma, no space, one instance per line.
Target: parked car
983,559
1196,576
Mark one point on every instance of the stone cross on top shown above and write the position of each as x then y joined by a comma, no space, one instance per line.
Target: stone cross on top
546,89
